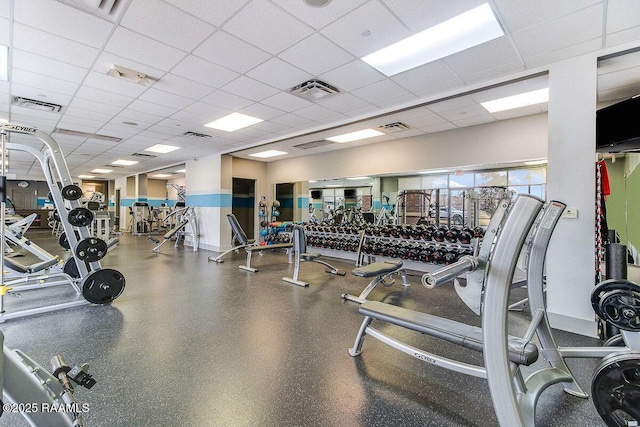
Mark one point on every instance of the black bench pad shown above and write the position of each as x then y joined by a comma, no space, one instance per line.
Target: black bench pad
310,256
265,247
377,268
521,351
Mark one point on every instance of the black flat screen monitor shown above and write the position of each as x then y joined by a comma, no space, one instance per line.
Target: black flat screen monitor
618,127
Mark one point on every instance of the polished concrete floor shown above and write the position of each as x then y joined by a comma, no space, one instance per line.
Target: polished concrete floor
195,343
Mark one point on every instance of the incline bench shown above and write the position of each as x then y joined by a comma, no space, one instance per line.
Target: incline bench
300,249
248,245
380,271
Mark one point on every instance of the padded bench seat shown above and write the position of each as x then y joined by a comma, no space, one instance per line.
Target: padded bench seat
259,248
13,264
522,352
377,269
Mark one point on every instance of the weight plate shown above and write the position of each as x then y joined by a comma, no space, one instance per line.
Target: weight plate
103,286
63,241
91,249
71,192
80,217
56,215
71,268
615,388
617,302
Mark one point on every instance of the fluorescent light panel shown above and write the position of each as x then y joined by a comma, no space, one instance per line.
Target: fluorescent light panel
233,121
268,153
355,136
102,170
517,101
4,63
161,175
86,176
355,178
121,162
536,162
436,171
181,171
477,26
161,148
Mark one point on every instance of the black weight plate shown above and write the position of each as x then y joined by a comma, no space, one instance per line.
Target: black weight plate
80,217
91,249
63,241
71,268
71,192
615,388
103,286
617,302
56,215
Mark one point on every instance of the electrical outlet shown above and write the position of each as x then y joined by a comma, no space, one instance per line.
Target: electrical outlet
570,213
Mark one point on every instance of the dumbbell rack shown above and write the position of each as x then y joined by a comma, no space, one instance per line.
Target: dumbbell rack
361,257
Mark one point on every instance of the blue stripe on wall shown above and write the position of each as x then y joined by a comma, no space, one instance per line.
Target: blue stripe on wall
210,200
303,202
377,205
286,202
243,202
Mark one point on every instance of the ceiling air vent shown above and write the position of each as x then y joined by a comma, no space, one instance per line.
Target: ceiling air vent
313,144
393,127
106,9
196,135
36,105
314,90
144,156
87,135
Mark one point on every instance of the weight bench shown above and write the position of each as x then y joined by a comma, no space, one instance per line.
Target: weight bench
167,236
380,271
11,262
249,245
300,249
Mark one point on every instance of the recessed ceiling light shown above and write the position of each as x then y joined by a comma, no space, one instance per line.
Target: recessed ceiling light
355,136
436,171
181,171
517,101
130,123
268,153
477,26
161,148
102,170
128,74
86,176
233,121
536,162
358,177
121,162
161,175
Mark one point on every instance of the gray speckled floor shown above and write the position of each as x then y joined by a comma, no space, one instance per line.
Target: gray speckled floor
196,343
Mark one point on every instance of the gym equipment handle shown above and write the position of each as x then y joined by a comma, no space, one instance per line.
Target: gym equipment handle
464,265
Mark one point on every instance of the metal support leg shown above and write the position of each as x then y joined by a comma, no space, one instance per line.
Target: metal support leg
357,345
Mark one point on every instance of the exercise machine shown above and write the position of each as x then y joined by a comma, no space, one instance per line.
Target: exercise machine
186,225
301,254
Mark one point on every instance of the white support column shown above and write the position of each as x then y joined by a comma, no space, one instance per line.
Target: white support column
571,179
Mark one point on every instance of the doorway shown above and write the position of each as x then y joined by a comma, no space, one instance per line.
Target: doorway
243,204
24,199
284,194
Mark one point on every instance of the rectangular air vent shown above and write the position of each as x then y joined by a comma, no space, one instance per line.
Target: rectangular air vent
36,104
144,156
196,135
105,9
87,135
314,90
393,127
313,144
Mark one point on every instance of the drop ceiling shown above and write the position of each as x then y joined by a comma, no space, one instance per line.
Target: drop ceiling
205,59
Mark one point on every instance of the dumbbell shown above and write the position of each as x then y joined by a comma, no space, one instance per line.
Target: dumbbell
451,235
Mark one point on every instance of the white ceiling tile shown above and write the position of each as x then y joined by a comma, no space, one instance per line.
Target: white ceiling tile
51,46
138,116
227,100
365,110
106,61
278,73
22,60
560,54
419,15
450,104
106,97
439,128
425,77
139,48
473,121
168,131
151,108
315,112
88,105
68,119
518,15
627,77
618,63
250,88
28,120
619,93
262,111
183,87
517,112
426,120
5,32
315,17
380,91
286,102
398,101
165,23
492,73
560,33
491,54
273,127
40,94
624,36
30,79
205,72
165,98
212,11
114,84
499,92
65,21
352,75
248,25
293,121
206,111
344,103
192,118
224,49
5,8
79,127
316,55
350,31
